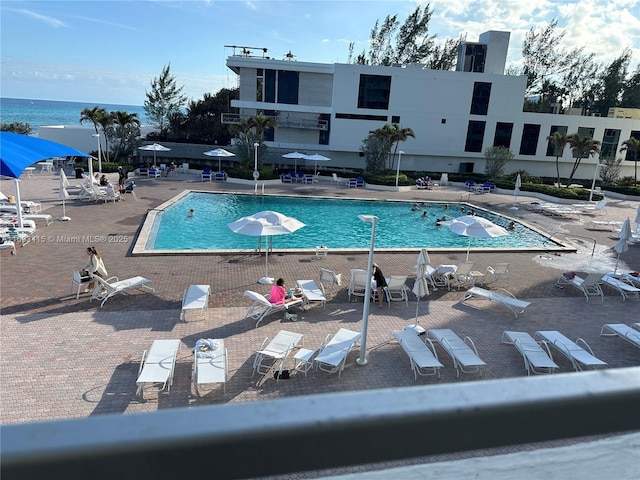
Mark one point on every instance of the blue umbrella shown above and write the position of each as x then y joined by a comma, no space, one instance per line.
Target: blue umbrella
17,152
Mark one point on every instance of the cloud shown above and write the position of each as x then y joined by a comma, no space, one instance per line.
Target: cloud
52,22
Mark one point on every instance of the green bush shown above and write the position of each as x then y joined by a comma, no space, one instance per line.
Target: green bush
388,179
266,173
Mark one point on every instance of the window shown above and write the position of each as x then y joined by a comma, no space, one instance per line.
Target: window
260,85
324,134
355,116
374,92
474,57
395,119
281,86
529,142
502,138
629,155
551,151
475,136
480,100
610,143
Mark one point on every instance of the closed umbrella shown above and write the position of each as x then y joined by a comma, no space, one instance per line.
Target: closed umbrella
516,191
63,195
219,152
266,223
474,227
420,287
622,246
316,158
154,147
637,220
295,156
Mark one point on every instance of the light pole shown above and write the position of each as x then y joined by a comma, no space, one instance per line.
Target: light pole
256,173
593,184
373,220
398,170
97,135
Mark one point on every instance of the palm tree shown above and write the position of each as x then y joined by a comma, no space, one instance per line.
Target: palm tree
123,121
632,146
558,141
96,116
260,122
582,147
398,135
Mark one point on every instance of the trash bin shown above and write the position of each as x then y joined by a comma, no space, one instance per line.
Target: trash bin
79,172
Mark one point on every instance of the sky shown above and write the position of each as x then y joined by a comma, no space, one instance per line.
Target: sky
110,51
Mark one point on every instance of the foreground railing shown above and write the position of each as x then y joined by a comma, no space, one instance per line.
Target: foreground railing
325,431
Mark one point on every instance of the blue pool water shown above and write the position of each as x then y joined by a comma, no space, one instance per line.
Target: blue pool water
333,223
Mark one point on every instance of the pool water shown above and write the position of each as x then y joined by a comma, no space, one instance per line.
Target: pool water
333,223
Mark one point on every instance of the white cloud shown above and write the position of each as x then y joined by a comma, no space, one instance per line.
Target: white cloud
52,22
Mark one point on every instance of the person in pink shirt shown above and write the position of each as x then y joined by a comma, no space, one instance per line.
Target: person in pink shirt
278,294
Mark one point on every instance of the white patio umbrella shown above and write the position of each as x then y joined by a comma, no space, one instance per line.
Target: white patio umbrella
316,158
154,147
219,152
637,220
420,287
63,195
622,246
266,223
295,156
516,191
474,227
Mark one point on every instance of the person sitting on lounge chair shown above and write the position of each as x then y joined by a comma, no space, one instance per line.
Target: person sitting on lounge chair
279,294
94,266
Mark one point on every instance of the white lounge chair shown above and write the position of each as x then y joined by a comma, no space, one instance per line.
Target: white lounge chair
157,366
261,306
333,356
588,286
8,245
437,277
424,360
272,355
536,359
604,224
499,272
195,300
396,289
506,298
105,289
630,279
462,277
27,206
626,290
463,352
36,217
330,278
578,356
210,364
621,330
28,226
358,283
312,292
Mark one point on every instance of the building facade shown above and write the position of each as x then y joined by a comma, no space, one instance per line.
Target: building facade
456,115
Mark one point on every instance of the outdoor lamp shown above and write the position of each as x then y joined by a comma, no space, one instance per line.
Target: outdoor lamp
373,220
398,170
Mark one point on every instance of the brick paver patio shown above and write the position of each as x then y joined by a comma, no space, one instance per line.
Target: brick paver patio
65,358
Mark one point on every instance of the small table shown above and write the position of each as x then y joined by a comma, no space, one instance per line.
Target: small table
321,251
478,277
46,166
29,171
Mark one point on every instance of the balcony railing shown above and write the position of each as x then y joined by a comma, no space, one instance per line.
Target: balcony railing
301,123
325,431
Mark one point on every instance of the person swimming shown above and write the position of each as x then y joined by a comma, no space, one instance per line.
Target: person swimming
191,213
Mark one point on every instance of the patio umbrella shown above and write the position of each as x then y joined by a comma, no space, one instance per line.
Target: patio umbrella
420,287
316,158
474,227
622,246
516,191
637,220
17,152
63,195
295,156
219,152
266,223
154,147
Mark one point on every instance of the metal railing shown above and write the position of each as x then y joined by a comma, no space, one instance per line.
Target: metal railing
325,431
301,123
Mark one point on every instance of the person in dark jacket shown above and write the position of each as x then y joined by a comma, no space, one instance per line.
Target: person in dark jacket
381,282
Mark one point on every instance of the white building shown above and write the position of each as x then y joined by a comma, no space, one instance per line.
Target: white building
456,115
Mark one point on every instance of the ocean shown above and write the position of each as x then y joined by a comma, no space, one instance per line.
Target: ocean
38,113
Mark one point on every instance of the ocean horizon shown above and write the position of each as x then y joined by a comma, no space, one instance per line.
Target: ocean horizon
40,113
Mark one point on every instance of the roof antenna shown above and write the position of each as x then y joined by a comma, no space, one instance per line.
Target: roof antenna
289,56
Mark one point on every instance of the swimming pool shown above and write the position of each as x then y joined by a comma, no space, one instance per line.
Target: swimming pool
331,222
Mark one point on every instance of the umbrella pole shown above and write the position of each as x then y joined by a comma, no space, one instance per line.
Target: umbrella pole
469,247
617,260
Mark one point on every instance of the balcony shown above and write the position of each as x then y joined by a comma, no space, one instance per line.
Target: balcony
309,123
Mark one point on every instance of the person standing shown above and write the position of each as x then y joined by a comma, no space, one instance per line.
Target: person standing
122,176
94,266
381,282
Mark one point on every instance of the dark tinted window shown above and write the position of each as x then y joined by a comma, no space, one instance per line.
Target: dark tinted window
530,135
288,87
502,137
480,100
551,151
374,92
475,136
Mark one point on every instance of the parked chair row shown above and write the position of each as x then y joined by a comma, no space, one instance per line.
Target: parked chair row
591,285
